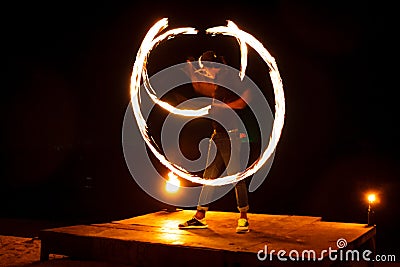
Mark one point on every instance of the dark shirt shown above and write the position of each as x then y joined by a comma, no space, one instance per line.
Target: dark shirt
231,90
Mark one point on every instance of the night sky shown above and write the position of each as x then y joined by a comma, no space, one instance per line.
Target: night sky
65,90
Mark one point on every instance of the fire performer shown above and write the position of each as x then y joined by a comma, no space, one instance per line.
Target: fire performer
226,138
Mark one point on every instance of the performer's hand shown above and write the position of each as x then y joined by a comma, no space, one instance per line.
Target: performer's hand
190,67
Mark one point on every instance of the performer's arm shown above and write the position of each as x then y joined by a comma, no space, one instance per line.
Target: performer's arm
239,103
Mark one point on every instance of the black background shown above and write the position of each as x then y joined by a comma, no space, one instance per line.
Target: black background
65,90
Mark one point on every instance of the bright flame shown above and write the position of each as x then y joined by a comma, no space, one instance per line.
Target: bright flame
371,198
139,71
173,183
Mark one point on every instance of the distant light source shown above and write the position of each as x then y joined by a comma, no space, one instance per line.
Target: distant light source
173,183
371,198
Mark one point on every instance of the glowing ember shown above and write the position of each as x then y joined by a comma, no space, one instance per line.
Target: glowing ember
152,39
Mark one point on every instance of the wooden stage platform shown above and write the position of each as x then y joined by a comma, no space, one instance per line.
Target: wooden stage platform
154,240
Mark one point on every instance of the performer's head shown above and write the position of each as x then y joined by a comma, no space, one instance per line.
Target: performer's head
209,57
208,63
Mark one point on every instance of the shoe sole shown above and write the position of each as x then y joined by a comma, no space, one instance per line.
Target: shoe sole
242,231
193,227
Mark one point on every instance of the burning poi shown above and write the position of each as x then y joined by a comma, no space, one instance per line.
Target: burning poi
156,35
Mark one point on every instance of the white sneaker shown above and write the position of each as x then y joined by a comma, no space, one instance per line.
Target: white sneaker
243,226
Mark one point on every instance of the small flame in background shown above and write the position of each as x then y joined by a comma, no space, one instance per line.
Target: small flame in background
371,198
151,40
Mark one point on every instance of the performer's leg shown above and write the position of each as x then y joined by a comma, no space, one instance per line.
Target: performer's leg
242,198
243,206
234,166
212,171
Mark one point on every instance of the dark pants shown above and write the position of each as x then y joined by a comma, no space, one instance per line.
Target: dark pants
228,158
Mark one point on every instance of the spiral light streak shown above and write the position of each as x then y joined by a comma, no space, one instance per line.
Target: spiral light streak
152,93
232,30
139,71
138,67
